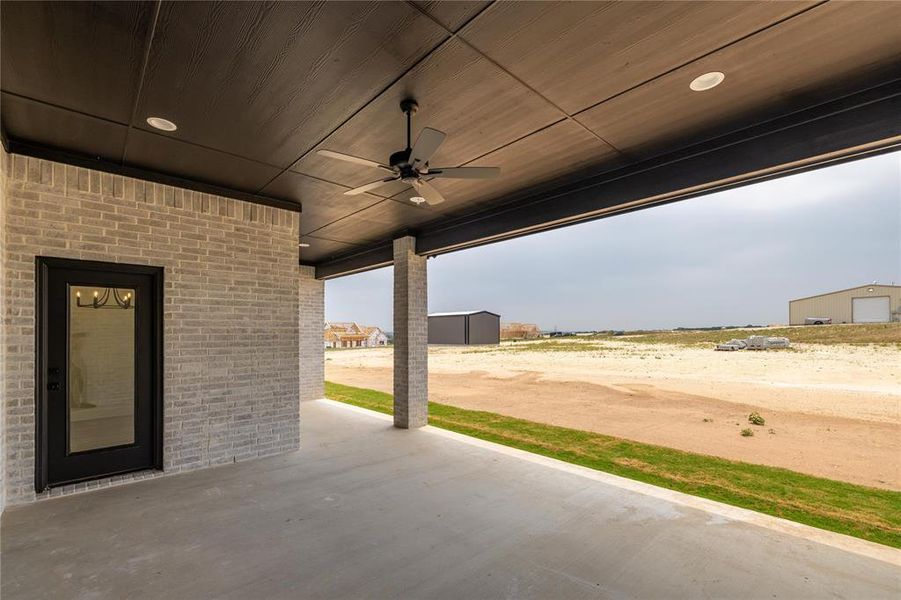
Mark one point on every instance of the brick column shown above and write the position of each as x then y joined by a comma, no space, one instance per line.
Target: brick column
411,369
311,324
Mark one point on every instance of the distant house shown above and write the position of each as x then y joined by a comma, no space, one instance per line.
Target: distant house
375,337
520,331
351,335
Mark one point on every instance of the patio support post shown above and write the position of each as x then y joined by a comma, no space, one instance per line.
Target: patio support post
311,323
411,332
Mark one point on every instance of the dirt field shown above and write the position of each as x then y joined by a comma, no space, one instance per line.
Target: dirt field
831,410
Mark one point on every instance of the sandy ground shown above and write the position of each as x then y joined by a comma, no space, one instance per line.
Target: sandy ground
834,411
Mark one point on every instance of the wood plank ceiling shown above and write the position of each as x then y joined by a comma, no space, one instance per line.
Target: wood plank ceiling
545,90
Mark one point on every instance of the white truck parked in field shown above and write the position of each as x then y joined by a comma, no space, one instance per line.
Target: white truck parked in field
818,321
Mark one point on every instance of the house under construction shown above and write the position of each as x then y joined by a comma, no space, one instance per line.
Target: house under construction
352,335
520,331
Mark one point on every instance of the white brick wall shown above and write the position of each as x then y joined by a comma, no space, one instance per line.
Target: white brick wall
312,323
411,336
231,308
4,158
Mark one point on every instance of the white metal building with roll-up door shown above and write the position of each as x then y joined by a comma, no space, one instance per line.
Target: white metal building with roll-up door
465,328
877,309
873,303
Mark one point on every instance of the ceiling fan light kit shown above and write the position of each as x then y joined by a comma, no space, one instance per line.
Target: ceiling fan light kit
411,165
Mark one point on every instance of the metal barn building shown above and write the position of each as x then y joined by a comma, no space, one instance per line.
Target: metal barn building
465,328
863,304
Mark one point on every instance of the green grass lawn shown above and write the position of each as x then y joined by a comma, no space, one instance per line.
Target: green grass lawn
867,513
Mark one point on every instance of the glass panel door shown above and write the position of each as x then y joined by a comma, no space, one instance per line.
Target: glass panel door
101,370
99,385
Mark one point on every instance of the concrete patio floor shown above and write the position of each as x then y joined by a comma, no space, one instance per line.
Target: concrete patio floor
366,510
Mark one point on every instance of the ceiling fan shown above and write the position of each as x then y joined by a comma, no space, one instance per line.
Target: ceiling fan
411,165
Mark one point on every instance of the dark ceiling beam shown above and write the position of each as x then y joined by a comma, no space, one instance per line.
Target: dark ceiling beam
356,262
844,129
14,146
839,130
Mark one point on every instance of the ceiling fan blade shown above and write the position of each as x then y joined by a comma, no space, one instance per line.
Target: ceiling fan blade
431,195
465,172
426,144
369,186
353,159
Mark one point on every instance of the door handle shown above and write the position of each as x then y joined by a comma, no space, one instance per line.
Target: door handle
53,386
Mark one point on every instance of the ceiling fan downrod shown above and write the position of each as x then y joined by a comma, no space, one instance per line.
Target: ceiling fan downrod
409,106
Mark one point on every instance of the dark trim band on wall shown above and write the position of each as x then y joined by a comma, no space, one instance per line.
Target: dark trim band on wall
13,146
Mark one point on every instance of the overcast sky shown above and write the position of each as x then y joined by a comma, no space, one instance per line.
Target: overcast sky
731,258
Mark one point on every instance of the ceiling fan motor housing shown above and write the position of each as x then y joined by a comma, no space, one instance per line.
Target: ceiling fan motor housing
400,159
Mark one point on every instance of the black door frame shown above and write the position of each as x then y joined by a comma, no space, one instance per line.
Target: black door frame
43,265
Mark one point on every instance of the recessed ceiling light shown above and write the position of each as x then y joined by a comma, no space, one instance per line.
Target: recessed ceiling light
303,245
161,123
417,199
707,81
